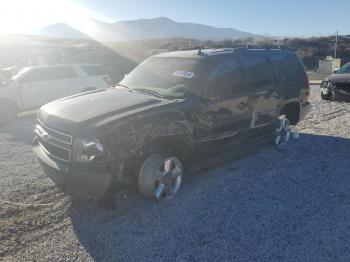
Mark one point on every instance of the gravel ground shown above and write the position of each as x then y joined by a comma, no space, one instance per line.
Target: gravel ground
270,205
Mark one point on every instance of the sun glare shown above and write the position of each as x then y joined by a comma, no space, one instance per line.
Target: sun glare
26,17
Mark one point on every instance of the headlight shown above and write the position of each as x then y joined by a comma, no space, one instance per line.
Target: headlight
87,150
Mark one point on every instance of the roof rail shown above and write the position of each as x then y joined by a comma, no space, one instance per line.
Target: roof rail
236,48
239,47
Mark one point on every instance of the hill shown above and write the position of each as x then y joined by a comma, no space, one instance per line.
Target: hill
160,27
120,58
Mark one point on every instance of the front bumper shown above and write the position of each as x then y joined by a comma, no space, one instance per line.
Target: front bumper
341,95
85,181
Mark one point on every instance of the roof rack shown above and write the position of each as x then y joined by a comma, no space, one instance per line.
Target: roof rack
241,47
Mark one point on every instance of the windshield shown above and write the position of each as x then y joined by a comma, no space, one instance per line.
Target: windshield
344,70
168,77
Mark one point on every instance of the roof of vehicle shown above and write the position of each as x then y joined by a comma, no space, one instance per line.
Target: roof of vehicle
203,53
60,65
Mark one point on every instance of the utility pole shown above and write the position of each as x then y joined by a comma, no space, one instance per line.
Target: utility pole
336,45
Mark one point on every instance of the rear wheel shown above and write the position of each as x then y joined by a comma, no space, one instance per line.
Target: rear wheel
8,111
160,177
282,132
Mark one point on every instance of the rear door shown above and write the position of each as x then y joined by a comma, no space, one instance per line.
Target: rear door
36,88
265,96
68,82
224,110
96,76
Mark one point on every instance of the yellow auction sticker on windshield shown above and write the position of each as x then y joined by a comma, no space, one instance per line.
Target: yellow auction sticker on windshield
183,74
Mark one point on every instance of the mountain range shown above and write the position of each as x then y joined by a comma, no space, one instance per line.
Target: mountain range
160,27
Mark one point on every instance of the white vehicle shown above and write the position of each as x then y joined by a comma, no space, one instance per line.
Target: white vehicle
35,86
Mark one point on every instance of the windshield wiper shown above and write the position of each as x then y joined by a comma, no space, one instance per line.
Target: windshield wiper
151,92
121,85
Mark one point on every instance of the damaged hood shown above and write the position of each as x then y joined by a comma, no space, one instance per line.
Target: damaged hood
76,113
339,78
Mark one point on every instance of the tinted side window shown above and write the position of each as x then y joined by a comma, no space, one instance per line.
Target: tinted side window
225,78
94,70
258,71
47,74
288,67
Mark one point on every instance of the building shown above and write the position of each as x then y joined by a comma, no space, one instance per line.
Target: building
328,65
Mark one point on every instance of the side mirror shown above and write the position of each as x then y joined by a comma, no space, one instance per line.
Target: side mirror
336,70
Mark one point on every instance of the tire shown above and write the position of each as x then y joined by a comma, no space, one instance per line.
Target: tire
325,97
282,132
160,177
8,111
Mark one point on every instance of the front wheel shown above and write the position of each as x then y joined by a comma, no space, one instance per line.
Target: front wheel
160,177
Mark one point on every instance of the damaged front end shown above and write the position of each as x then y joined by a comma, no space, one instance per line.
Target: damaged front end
335,91
86,179
88,167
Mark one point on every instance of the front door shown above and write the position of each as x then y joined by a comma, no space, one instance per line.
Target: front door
36,88
224,109
43,85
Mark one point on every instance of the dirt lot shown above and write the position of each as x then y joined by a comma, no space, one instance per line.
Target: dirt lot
271,205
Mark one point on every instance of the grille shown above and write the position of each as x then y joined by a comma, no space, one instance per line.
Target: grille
343,86
55,143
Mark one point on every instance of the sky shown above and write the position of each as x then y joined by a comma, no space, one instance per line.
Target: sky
266,17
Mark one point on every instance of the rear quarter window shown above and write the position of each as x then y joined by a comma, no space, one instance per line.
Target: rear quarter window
258,71
288,67
94,70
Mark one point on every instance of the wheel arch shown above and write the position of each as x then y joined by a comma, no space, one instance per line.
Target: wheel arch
137,141
292,111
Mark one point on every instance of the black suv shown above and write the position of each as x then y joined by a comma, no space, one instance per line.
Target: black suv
169,111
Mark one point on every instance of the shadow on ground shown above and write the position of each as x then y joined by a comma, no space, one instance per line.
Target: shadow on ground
20,130
272,205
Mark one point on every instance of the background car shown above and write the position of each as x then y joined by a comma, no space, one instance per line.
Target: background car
337,86
35,86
